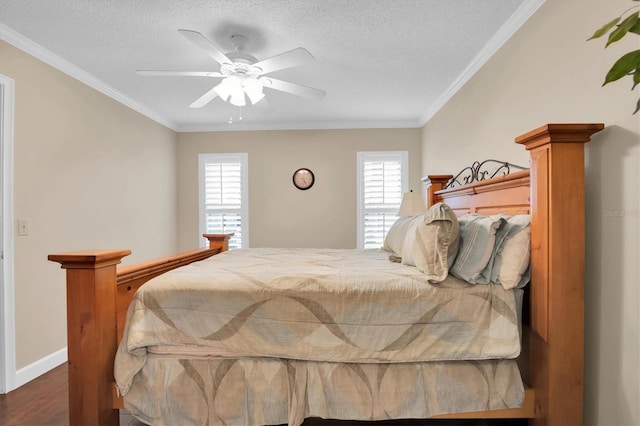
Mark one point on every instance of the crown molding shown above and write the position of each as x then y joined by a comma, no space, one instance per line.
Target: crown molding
46,56
508,29
325,125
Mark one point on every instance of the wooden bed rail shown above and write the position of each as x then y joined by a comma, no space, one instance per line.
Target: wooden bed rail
95,291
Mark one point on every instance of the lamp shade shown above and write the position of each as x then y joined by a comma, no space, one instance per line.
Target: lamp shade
412,205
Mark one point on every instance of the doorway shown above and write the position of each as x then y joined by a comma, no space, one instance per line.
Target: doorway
7,328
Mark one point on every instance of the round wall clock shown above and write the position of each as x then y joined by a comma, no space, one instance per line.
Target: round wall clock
303,179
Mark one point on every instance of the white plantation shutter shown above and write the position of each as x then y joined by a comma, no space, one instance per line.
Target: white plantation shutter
223,196
382,179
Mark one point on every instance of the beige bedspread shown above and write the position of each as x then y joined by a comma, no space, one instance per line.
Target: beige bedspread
318,305
270,391
265,336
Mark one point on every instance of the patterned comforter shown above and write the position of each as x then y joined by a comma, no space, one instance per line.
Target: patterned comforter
296,309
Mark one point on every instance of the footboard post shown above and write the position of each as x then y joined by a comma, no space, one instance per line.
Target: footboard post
220,241
91,333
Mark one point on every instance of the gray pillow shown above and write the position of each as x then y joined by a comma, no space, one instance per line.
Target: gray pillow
431,243
477,242
501,234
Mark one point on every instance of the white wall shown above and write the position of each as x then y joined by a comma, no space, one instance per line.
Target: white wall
89,173
281,215
548,72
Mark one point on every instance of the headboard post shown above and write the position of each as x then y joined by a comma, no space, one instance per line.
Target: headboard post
435,183
91,333
557,268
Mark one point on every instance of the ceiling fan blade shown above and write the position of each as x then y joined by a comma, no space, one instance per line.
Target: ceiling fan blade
203,43
179,73
296,89
204,99
284,60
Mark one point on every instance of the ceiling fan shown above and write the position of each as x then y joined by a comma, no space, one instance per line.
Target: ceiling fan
243,76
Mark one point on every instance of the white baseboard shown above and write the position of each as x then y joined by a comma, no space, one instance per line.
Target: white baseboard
41,366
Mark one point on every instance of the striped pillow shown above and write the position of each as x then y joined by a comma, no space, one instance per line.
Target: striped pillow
477,241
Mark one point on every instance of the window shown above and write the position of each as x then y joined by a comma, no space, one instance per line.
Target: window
223,197
382,179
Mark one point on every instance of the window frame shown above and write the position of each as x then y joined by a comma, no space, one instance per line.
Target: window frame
243,159
370,156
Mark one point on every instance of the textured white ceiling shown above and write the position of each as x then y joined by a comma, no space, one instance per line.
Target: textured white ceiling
383,63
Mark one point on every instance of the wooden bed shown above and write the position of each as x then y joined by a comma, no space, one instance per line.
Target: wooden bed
552,191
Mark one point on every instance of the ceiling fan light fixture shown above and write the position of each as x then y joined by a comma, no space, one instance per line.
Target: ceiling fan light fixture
253,89
256,98
231,90
224,89
237,98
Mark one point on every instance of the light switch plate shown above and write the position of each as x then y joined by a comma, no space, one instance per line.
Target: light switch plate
23,227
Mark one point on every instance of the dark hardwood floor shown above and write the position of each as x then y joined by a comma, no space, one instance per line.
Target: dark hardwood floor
44,402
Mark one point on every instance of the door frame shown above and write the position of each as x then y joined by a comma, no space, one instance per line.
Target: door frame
7,305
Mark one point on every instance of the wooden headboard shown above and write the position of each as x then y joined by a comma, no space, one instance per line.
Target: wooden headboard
508,194
552,191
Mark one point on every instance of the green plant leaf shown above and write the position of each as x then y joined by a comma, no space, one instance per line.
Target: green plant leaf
637,107
636,78
623,66
635,28
623,28
605,28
